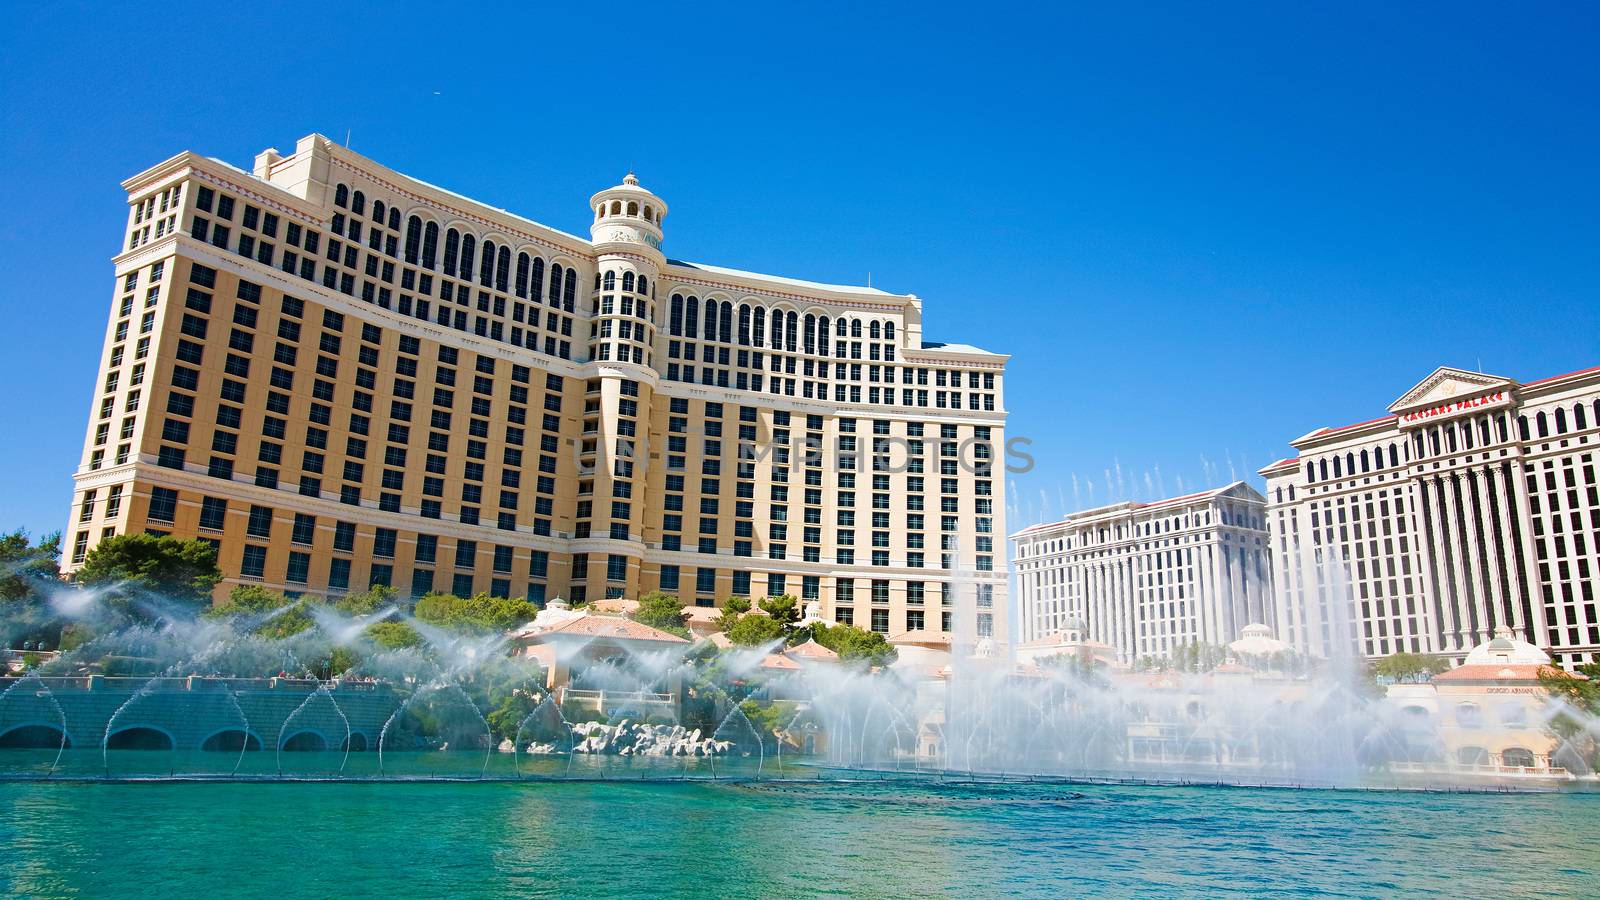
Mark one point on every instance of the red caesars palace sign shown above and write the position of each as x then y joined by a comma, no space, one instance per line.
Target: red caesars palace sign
1456,406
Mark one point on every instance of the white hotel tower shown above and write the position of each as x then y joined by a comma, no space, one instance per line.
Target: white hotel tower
1146,578
1473,505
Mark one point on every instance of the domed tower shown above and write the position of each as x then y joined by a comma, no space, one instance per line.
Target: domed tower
614,454
627,242
627,214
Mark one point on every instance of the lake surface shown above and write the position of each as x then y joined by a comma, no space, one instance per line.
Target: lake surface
282,840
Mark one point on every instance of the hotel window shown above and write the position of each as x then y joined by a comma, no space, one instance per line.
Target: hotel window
163,504
254,563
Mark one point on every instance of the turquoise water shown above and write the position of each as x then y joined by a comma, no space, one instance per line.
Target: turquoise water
727,840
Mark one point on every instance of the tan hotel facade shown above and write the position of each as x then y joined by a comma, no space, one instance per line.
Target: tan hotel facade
1474,505
342,375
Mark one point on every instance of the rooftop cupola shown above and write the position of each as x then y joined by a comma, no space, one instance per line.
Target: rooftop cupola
627,214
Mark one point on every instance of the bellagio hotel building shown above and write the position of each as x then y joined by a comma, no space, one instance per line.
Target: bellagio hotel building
1474,504
341,376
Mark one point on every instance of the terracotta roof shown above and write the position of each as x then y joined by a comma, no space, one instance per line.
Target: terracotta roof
928,638
811,650
720,640
616,604
779,661
610,627
1493,672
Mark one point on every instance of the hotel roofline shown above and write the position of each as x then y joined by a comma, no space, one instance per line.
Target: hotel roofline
1322,436
733,281
1098,512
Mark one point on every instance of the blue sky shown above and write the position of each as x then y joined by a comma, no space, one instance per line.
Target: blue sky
1200,233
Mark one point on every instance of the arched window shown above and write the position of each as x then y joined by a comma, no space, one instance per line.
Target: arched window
452,247
377,211
569,294
758,327
627,281
413,239
430,244
725,322
1522,427
839,327
633,207
555,284
536,280
1579,421
777,329
675,315
874,331
1543,422
744,325
822,336
855,328
502,269
811,333
394,219
712,318
1394,456
644,285
358,204
1469,715
1433,440
609,281
520,286
1516,757
788,331
1337,473
649,216
691,316
1322,465
888,331
1561,420
1483,430
341,196
616,207
469,245
486,265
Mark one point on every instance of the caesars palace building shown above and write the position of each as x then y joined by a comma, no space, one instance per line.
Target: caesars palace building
1474,505
341,376
1147,578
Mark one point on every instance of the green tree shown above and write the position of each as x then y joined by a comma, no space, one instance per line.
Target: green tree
369,601
1582,696
181,570
248,599
24,565
1198,656
753,630
853,643
394,635
663,611
481,614
784,609
1405,668
732,609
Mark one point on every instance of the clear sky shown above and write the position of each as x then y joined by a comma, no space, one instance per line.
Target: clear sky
1199,234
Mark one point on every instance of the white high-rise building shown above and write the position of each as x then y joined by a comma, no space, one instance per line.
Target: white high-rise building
1146,578
1472,505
